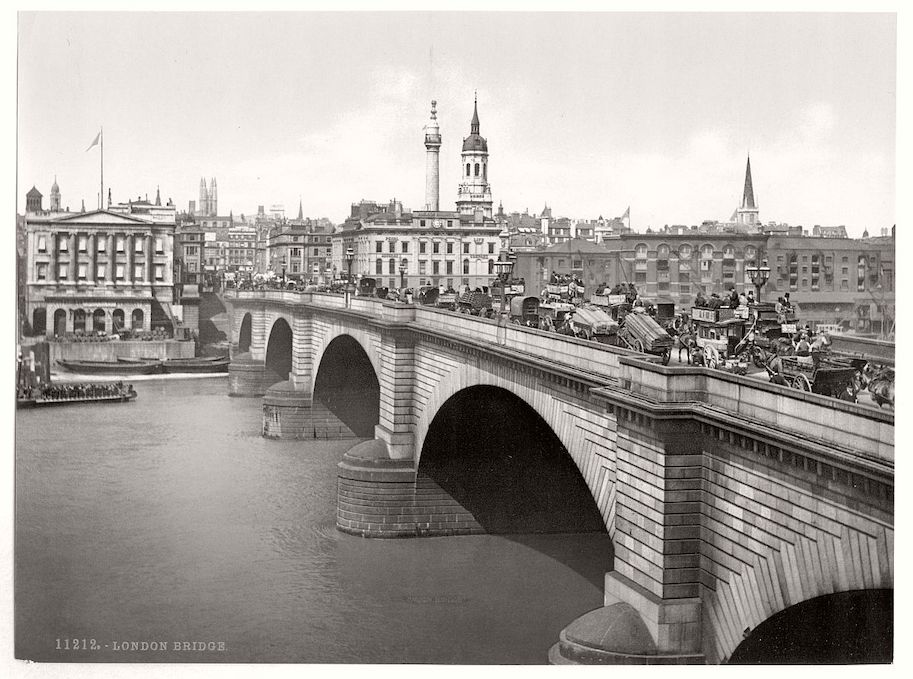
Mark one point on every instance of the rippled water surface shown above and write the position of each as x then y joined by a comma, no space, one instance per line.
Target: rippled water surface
171,519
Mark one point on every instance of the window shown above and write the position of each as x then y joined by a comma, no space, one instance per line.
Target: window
707,251
449,248
560,263
640,252
82,243
449,266
392,246
467,169
137,272
640,276
379,246
379,266
421,247
422,222
844,285
728,252
577,263
465,248
42,244
845,260
160,272
477,169
491,266
684,251
435,268
391,265
491,248
100,270
119,272
62,271
421,267
435,248
465,267
316,252
41,271
159,245
804,282
449,222
64,244
138,242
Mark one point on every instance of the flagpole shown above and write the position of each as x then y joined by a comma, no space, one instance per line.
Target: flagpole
102,134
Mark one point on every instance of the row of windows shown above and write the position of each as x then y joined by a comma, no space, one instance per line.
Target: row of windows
423,266
101,270
82,244
423,247
685,251
483,168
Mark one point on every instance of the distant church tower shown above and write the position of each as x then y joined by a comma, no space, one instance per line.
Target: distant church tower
213,198
432,161
204,197
747,214
33,200
55,196
474,192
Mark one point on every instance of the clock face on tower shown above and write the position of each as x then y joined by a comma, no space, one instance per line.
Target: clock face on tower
437,223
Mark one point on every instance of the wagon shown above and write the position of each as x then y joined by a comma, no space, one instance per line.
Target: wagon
592,323
824,378
553,315
476,302
447,300
641,333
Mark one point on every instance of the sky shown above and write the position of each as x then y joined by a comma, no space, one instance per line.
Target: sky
589,113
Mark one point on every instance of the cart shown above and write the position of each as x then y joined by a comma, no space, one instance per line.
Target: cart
592,323
553,315
476,303
428,295
827,379
641,333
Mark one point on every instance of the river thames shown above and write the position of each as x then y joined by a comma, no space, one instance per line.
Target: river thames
172,521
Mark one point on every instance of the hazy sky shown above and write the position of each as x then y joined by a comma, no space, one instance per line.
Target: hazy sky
590,113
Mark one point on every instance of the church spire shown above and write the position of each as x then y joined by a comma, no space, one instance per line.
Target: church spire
474,125
748,194
158,196
300,209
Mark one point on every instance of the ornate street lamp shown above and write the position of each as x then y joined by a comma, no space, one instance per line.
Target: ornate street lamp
403,267
350,258
503,268
758,275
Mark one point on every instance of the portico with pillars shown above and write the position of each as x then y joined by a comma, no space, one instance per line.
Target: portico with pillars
99,260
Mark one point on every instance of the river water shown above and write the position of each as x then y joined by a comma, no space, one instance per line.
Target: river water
171,520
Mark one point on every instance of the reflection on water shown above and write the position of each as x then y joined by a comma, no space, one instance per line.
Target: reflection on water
171,519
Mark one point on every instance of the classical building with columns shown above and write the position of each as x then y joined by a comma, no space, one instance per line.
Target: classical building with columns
104,270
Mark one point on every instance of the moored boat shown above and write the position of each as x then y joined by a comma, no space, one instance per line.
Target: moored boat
76,393
211,364
111,367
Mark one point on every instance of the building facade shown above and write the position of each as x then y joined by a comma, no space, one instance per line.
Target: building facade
104,270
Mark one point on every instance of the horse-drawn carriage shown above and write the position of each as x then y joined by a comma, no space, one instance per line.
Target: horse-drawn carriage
524,311
592,323
553,315
642,333
821,376
874,363
476,303
721,338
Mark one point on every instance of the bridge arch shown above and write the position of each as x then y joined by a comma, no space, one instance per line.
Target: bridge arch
499,459
843,627
279,351
347,386
244,334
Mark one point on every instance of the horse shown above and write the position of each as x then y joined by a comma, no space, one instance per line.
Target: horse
881,387
686,339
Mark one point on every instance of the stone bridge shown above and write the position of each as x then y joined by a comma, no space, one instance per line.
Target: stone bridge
728,500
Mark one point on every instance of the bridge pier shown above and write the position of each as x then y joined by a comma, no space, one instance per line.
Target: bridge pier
291,413
248,376
657,551
383,497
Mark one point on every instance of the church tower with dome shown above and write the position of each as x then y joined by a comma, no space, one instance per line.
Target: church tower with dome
474,192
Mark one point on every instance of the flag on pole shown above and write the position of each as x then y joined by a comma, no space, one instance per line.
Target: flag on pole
95,141
627,214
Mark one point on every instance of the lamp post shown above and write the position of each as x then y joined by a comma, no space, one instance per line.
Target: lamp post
503,268
350,258
402,274
758,275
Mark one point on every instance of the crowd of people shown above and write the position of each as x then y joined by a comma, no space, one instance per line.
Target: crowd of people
63,392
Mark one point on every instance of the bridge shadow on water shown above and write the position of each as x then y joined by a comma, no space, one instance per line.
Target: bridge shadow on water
492,453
